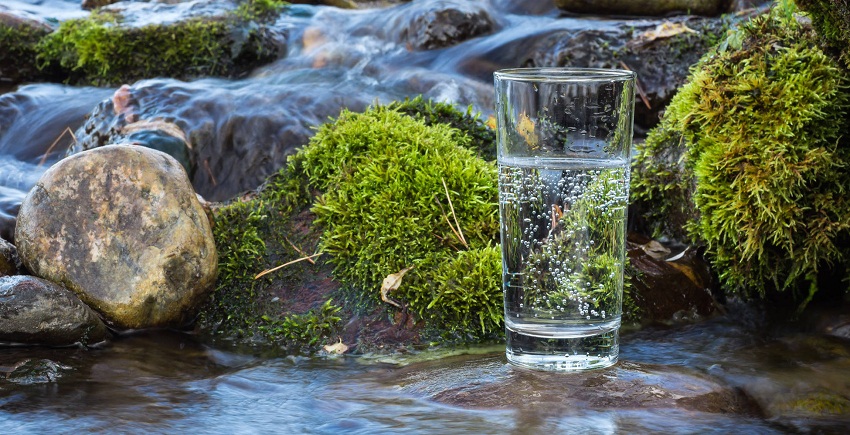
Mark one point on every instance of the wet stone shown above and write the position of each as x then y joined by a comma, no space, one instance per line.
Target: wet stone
38,312
488,382
670,285
443,24
10,263
34,371
122,227
643,7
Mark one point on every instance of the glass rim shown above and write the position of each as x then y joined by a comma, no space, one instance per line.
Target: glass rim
563,74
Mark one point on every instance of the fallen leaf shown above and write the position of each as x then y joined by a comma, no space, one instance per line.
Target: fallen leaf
391,282
662,31
525,128
336,348
655,250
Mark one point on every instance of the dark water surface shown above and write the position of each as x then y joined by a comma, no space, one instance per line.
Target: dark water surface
165,382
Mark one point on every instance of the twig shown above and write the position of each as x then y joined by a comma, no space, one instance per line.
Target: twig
299,250
209,171
267,271
49,149
639,87
459,232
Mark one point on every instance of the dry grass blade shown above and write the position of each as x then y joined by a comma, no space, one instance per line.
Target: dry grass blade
298,249
53,145
639,87
459,232
209,172
268,271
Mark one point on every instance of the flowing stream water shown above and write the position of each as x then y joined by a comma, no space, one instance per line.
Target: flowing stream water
724,375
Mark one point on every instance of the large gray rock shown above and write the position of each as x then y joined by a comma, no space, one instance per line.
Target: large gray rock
643,7
36,311
122,227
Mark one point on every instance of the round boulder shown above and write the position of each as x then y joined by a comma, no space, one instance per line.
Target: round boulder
643,7
36,311
122,227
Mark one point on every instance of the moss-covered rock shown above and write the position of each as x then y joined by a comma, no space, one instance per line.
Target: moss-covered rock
102,49
400,194
832,21
18,39
751,160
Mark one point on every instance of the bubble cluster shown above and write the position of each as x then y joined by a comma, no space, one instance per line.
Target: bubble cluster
563,226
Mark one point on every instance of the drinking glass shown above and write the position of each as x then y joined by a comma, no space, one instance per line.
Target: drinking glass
564,144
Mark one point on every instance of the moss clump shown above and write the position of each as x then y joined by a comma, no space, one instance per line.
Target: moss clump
97,50
482,137
395,192
755,142
832,21
255,234
18,52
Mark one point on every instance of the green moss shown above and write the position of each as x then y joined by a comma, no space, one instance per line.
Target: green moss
819,404
751,155
831,18
260,10
97,50
18,52
483,138
253,235
385,208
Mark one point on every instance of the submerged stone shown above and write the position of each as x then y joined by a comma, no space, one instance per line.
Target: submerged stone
36,311
35,371
122,227
488,382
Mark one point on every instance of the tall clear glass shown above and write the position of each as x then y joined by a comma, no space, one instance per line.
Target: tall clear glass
564,145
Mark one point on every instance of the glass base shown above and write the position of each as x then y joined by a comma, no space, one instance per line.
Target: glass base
563,354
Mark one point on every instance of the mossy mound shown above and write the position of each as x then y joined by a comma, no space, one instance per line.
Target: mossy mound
482,138
751,159
254,234
99,50
832,21
400,194
452,287
18,53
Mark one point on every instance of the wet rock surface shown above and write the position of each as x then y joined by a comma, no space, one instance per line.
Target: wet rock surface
661,52
10,263
643,7
38,312
490,383
670,285
34,371
443,24
121,227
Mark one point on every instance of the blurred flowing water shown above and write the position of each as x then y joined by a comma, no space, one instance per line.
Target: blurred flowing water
166,382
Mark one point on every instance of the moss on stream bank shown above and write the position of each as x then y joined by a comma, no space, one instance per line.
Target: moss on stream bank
368,193
751,160
99,50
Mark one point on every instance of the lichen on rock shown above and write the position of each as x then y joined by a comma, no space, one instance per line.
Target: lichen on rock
751,160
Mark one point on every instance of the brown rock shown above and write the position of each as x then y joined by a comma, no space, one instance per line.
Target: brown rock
670,285
121,227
